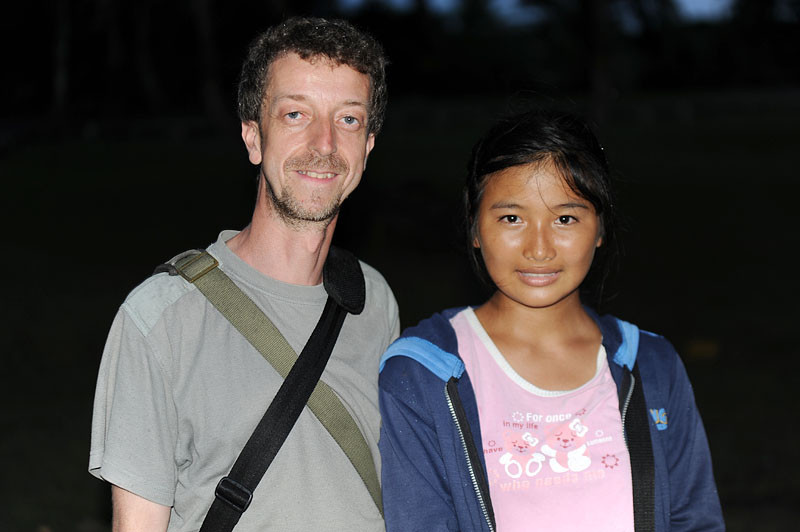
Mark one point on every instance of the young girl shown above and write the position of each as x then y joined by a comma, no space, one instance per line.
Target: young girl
531,412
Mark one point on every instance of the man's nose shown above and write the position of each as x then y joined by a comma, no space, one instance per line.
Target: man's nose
539,243
323,138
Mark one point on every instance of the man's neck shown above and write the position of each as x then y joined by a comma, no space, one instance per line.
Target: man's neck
292,255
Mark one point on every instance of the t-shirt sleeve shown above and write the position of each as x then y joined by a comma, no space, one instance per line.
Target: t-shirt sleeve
394,319
383,300
134,427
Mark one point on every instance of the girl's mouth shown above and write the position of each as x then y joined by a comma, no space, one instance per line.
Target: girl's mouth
538,279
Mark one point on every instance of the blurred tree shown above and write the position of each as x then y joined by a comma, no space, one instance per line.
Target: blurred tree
587,28
657,21
61,55
598,24
207,47
764,34
98,58
477,17
143,53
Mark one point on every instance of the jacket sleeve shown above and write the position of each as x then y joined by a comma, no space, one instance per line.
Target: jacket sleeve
414,480
694,502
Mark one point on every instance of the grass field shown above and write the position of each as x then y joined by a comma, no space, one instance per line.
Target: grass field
708,183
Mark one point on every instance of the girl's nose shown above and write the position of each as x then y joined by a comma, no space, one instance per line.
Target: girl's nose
539,245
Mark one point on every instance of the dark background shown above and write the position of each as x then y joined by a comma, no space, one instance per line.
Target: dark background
119,148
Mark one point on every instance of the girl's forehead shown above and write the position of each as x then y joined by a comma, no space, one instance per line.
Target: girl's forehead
541,179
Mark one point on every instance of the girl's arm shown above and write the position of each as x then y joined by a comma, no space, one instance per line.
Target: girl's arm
416,495
694,502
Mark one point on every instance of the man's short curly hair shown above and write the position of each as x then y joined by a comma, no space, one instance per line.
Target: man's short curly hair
336,40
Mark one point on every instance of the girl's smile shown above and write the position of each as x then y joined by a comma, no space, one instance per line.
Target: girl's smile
538,278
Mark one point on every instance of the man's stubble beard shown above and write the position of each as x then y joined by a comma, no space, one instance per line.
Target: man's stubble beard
290,209
294,214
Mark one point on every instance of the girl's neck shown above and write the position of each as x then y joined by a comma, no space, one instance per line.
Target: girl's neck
561,322
555,347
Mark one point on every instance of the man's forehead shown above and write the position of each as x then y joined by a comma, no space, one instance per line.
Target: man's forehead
314,61
291,76
311,59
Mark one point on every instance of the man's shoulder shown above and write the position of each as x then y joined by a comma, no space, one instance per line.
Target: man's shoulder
146,303
375,282
371,275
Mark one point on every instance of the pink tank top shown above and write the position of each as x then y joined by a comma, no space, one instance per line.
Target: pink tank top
555,460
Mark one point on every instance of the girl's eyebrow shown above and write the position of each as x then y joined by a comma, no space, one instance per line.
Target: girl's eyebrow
511,205
573,205
505,205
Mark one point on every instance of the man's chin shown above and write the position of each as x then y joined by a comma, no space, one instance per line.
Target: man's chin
300,214
299,218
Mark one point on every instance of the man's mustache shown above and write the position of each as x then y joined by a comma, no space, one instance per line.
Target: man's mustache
330,163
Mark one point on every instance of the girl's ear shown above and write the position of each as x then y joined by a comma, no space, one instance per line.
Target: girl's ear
476,243
600,233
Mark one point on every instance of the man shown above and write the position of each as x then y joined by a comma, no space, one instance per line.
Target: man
180,390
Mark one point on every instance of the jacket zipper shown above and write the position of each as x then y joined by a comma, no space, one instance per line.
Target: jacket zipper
625,407
469,463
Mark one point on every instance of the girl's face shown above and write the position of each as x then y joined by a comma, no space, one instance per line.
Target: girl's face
536,235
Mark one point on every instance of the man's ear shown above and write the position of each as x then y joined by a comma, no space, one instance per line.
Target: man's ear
370,145
251,135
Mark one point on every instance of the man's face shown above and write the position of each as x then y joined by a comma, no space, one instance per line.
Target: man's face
312,143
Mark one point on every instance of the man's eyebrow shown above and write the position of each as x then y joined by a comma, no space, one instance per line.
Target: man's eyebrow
357,103
304,98
293,97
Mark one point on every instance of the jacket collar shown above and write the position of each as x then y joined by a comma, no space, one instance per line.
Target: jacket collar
620,340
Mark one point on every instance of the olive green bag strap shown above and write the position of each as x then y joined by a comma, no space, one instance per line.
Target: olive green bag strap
201,269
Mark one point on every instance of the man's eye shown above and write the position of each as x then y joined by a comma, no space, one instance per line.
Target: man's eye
294,115
350,120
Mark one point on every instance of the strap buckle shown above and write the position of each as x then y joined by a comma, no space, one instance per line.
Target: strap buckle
195,267
233,494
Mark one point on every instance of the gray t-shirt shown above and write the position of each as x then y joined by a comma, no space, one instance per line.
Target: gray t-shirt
180,391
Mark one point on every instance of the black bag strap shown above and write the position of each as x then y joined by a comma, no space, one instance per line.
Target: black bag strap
235,491
344,282
640,449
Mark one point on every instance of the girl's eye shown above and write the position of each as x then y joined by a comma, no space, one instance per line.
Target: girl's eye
566,219
510,218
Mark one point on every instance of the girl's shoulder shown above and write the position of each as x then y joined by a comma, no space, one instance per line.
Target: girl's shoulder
436,329
432,344
657,360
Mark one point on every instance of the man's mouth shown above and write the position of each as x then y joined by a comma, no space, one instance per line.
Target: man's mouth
317,175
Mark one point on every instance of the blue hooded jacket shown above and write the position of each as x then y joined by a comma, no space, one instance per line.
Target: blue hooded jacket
433,471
